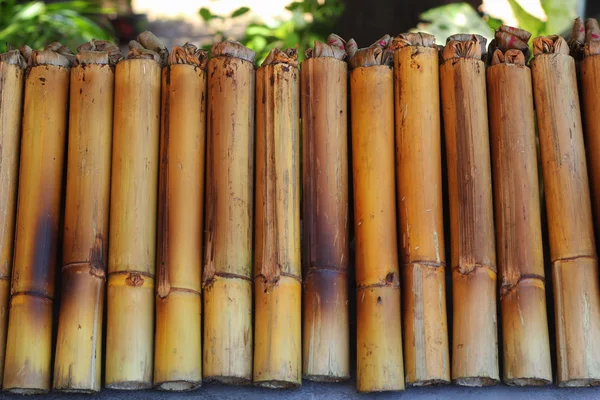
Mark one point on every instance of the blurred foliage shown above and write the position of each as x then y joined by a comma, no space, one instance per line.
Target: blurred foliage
310,20
36,24
463,18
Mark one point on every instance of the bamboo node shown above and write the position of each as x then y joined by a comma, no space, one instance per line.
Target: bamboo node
134,279
188,54
231,48
464,46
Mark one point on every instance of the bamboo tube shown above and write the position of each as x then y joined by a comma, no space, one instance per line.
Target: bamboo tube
420,208
12,72
277,270
178,350
525,341
27,367
325,251
569,212
379,365
77,365
474,335
133,205
590,77
227,276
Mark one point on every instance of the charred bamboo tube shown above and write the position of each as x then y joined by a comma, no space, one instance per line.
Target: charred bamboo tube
590,77
420,208
325,251
464,104
133,205
227,276
12,72
27,369
525,340
78,360
277,269
178,350
569,212
379,365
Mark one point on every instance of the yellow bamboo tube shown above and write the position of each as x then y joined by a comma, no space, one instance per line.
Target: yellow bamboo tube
464,104
78,360
133,206
569,213
325,250
27,369
12,72
227,276
379,365
178,350
277,270
420,208
525,340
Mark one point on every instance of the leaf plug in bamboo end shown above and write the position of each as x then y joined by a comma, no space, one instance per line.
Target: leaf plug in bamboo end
232,48
379,53
421,39
53,54
148,46
510,46
335,47
98,52
592,38
278,56
16,57
464,45
552,44
188,54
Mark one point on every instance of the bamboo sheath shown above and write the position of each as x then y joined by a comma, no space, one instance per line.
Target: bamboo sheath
133,206
525,340
569,212
227,276
178,350
379,339
420,208
29,341
78,361
277,269
12,73
474,336
325,251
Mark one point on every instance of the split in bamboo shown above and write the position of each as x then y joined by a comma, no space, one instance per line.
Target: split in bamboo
178,347
29,341
133,206
277,270
420,208
325,251
12,72
379,365
464,104
569,214
77,365
227,275
525,341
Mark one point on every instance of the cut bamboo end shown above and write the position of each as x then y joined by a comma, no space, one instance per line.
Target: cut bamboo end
227,352
130,333
475,328
426,358
577,320
277,341
379,348
29,349
325,326
525,339
178,353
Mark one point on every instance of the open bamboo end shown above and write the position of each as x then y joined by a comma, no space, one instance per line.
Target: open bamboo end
277,384
179,386
586,382
129,385
228,380
326,378
27,391
527,382
476,381
76,390
428,382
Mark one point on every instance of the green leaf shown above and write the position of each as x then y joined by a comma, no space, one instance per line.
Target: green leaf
206,14
449,19
492,22
525,20
239,12
560,13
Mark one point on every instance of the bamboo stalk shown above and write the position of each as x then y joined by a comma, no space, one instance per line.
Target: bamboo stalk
12,72
227,276
420,208
133,205
325,251
569,212
277,270
379,341
525,340
178,349
29,341
474,334
78,361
